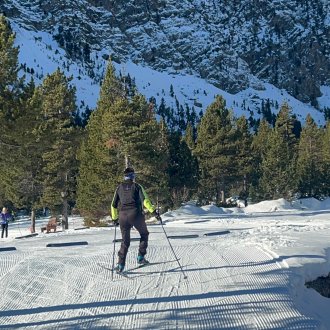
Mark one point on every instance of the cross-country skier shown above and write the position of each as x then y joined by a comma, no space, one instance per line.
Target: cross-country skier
5,217
127,211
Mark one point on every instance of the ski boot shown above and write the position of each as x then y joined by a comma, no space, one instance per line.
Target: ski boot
119,268
141,260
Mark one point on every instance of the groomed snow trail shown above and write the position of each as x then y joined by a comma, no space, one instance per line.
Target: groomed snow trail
229,286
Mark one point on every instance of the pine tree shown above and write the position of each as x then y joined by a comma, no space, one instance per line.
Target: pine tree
26,184
99,170
309,162
259,143
10,104
18,121
132,124
244,157
278,163
271,181
259,149
285,126
326,161
112,88
57,103
121,131
189,137
216,151
183,169
163,191
96,172
9,82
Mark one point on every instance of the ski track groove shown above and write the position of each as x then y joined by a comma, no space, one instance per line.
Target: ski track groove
228,287
275,301
226,281
157,285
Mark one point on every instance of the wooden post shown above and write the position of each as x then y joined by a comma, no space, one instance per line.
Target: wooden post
33,221
65,221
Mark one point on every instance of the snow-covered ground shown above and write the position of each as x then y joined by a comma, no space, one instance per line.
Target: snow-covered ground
249,277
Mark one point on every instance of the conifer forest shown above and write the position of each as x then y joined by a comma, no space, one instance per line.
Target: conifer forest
54,156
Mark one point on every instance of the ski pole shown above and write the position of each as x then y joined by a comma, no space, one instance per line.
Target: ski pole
176,258
113,253
168,240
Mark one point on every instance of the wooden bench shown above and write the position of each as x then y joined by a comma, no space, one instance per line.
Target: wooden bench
52,224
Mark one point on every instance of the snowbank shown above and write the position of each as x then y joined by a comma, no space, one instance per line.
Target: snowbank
270,206
186,210
214,209
325,205
312,204
307,203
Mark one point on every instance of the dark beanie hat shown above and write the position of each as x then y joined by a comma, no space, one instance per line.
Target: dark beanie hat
129,170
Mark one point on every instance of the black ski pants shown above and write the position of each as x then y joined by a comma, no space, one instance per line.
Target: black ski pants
4,229
128,219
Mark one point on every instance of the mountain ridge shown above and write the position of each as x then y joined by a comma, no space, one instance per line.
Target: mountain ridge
233,45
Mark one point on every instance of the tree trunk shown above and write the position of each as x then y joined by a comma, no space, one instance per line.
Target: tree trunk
127,161
222,196
65,221
245,191
33,221
222,191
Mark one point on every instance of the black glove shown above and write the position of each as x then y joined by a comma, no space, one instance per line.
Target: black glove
116,222
157,216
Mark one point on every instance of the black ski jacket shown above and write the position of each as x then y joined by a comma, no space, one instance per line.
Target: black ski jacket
130,196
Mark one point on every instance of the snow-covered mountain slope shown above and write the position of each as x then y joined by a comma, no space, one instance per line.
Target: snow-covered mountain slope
248,51
40,53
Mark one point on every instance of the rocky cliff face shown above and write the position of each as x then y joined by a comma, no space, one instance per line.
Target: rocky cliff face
228,42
